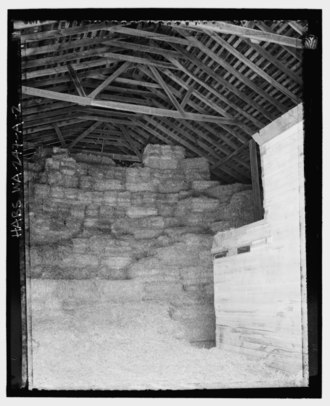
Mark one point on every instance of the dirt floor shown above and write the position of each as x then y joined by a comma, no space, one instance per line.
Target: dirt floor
131,346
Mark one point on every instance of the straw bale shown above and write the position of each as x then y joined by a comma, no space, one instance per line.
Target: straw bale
138,211
202,185
196,169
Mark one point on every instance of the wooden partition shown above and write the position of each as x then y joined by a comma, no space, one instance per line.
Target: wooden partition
260,270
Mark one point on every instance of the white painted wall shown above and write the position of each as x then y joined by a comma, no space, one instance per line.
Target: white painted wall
260,296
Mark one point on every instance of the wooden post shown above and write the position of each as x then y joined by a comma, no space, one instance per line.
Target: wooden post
256,191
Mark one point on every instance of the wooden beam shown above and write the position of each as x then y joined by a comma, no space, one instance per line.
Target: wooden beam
130,142
103,119
245,80
135,59
60,33
76,81
256,192
111,78
275,61
113,91
59,135
260,72
86,132
225,82
61,59
62,46
206,101
45,107
187,96
124,99
280,125
48,112
225,28
214,105
150,35
137,83
264,27
142,48
212,131
229,88
230,156
48,120
167,90
62,69
152,111
42,128
298,27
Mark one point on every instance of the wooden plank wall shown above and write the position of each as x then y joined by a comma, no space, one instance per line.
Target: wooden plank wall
260,295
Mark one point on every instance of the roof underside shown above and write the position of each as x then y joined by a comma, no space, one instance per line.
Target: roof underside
113,87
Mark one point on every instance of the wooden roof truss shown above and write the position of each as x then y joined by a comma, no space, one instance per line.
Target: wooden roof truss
111,88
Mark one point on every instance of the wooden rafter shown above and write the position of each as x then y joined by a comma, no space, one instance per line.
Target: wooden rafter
136,59
54,34
230,156
212,131
157,50
130,142
59,135
62,46
298,27
215,106
103,119
66,58
134,82
225,28
276,62
150,35
84,134
111,78
76,81
49,112
255,68
167,90
62,69
187,96
240,67
265,28
227,86
244,79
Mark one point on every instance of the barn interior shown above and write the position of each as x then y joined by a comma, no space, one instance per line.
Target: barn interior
164,192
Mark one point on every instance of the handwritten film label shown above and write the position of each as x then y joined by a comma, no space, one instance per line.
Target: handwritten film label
16,225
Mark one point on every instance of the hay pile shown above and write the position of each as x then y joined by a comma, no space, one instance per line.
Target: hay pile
152,224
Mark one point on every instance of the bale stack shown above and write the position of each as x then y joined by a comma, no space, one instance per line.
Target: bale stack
163,156
151,225
196,169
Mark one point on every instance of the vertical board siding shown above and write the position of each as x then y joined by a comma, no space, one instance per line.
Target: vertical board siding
260,296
